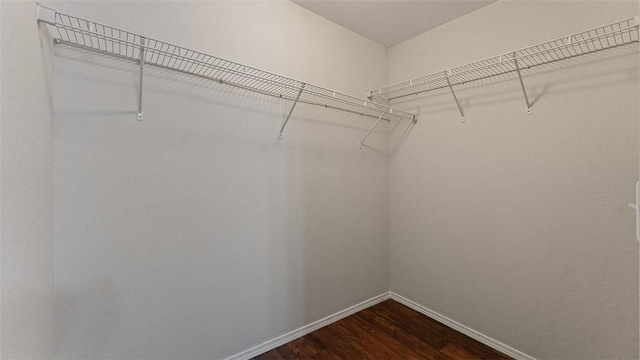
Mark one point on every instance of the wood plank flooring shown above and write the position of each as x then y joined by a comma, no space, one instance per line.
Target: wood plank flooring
388,330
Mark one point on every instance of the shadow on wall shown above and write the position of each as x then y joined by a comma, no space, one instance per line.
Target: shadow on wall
190,87
46,46
95,316
399,134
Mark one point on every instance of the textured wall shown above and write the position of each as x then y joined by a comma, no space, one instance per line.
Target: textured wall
197,233
517,225
26,185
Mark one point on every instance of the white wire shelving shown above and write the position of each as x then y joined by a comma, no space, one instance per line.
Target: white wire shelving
585,42
109,40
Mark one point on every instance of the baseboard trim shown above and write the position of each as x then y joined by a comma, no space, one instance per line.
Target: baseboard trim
292,335
302,331
476,335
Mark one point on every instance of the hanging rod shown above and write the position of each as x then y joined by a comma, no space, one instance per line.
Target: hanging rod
589,41
104,39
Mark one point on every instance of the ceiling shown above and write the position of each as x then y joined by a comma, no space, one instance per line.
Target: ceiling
390,22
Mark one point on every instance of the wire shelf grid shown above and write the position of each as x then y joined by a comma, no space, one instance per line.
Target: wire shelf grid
86,34
589,41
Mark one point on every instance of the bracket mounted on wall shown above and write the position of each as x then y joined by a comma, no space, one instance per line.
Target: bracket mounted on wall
600,38
636,208
524,91
142,43
108,40
291,110
454,95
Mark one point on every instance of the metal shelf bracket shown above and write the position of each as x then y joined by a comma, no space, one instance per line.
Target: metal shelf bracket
142,44
370,130
448,73
46,15
291,110
524,91
108,40
636,207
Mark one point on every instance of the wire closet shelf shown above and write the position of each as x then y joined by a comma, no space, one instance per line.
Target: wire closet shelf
589,41
109,40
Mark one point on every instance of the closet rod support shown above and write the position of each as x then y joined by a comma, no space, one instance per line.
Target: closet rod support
370,130
142,45
636,208
454,95
524,91
45,14
291,110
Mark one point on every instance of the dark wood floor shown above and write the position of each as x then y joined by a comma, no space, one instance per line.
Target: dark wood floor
388,330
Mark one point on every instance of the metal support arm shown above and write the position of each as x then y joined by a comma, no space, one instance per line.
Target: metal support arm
142,43
291,110
524,91
370,130
637,210
454,95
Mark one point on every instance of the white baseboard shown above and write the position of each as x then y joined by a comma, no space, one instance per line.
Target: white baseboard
480,337
292,335
300,332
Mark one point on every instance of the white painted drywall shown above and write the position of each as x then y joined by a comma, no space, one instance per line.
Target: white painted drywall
197,233
26,185
517,225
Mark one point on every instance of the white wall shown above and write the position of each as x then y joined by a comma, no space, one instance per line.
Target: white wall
517,225
26,185
197,233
